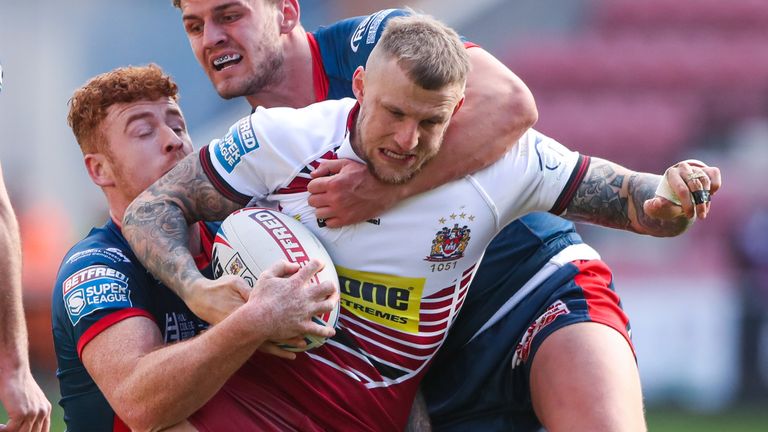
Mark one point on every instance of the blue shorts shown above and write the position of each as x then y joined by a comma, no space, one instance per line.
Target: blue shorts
482,382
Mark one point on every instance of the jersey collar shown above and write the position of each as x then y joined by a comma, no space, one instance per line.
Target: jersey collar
319,77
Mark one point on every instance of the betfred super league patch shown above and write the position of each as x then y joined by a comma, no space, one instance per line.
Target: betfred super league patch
95,288
239,141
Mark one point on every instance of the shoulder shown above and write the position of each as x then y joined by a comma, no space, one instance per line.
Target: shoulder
97,273
104,245
265,151
320,122
356,33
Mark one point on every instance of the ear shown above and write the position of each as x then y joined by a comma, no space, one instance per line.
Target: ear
291,13
99,169
358,83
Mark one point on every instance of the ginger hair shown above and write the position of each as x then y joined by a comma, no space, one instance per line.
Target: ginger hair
89,104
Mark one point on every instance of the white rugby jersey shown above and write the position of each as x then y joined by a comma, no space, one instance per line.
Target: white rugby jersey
404,275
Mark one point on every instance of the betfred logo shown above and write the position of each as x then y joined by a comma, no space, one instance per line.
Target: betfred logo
283,235
95,288
90,273
389,300
239,140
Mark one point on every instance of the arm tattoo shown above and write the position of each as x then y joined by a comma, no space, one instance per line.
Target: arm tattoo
598,199
613,196
157,223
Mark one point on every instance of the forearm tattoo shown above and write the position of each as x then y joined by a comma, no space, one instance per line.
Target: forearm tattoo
599,200
157,223
613,196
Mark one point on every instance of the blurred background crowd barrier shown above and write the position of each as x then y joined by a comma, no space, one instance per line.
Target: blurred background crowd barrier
643,83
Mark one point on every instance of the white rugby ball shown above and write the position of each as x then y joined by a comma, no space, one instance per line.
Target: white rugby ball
251,240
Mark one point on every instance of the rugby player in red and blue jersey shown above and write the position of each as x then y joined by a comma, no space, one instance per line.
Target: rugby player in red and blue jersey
111,319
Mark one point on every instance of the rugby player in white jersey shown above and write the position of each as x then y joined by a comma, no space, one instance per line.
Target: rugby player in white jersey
367,376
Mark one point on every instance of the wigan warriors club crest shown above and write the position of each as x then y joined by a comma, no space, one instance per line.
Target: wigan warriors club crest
449,244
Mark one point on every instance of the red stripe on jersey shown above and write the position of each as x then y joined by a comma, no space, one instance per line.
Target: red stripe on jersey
435,316
595,280
352,117
206,241
436,305
405,358
299,183
471,45
218,182
106,322
119,426
416,345
436,328
445,292
577,175
355,323
460,303
354,363
319,76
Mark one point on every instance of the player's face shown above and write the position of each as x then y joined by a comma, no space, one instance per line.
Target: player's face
401,125
145,140
237,42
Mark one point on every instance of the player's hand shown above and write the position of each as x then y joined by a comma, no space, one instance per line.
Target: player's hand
687,192
214,300
285,299
344,192
273,347
27,407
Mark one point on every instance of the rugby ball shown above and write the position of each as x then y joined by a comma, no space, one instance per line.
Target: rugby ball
251,240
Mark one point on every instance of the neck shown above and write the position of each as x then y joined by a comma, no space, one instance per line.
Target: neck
296,87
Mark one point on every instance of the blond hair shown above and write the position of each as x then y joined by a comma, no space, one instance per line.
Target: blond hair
431,53
89,104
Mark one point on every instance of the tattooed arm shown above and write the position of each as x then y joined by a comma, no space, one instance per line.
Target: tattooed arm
156,226
616,197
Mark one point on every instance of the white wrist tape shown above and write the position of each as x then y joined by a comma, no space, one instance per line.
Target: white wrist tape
664,190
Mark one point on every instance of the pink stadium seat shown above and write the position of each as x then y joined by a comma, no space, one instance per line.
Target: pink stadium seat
728,74
719,15
646,132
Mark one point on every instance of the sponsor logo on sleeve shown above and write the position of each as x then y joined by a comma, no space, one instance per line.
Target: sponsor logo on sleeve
551,163
357,36
392,301
94,288
113,254
239,141
375,24
371,24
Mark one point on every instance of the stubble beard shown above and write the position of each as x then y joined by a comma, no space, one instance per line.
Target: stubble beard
265,75
396,178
